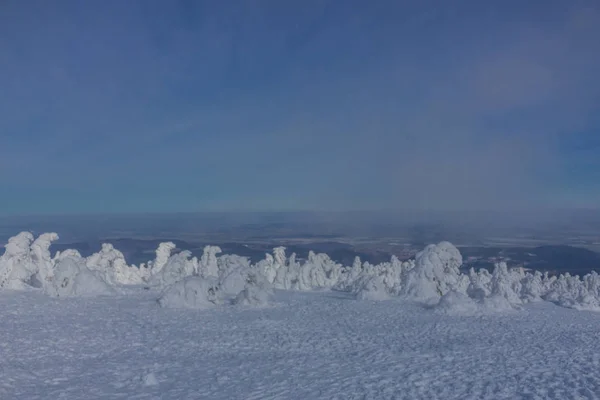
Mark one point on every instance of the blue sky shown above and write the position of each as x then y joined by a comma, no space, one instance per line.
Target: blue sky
120,106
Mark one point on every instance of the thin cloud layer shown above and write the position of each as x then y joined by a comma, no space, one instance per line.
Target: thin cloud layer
193,106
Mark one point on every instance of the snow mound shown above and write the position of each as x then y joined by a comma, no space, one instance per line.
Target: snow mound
192,292
497,304
257,290
234,281
373,289
72,278
457,303
254,295
241,285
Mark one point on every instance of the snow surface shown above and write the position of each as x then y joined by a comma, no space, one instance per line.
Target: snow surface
307,345
182,327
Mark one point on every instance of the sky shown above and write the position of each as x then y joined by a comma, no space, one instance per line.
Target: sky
156,106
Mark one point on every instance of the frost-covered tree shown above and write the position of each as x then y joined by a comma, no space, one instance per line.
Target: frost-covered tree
111,263
503,284
209,265
287,274
16,265
73,278
178,267
436,272
479,284
532,287
163,252
192,292
41,257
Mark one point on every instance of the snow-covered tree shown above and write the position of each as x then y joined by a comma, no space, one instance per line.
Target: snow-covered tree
16,265
178,267
209,266
163,252
73,278
111,263
41,257
436,272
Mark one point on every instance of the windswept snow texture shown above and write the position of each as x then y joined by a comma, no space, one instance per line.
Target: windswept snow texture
309,345
180,327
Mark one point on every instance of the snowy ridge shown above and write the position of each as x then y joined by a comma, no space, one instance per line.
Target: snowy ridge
433,278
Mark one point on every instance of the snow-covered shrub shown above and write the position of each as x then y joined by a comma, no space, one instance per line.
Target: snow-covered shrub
229,279
349,276
178,266
257,291
436,272
234,281
318,272
532,287
16,265
71,278
192,292
287,274
479,284
111,264
229,262
64,254
379,281
572,292
41,257
506,284
270,266
209,265
163,252
432,278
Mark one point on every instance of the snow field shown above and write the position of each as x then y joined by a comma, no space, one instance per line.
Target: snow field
316,345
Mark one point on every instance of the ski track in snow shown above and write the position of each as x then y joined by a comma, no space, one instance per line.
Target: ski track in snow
320,345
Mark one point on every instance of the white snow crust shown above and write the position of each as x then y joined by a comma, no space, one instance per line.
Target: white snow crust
309,345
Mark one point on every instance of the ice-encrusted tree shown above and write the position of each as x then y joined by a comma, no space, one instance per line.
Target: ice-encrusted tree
479,284
41,257
436,272
163,252
178,267
16,265
532,287
111,263
71,277
209,266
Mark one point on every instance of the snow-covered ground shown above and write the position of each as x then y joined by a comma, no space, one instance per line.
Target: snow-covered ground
304,345
181,327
